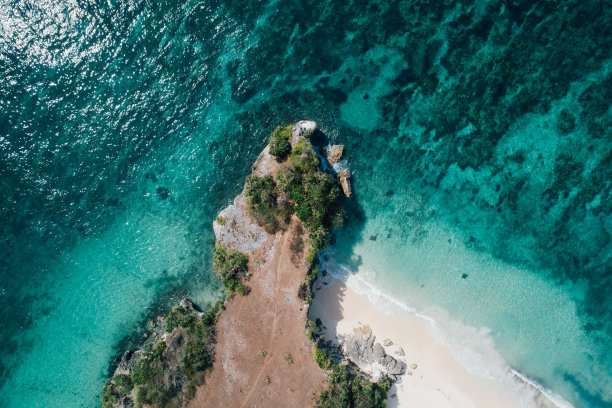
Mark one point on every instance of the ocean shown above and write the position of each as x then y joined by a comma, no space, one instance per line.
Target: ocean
478,134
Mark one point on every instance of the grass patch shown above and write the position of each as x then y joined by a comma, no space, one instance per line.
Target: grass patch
221,220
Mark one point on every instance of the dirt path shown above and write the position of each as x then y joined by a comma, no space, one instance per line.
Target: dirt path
270,318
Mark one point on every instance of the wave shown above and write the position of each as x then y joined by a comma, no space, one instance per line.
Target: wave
473,348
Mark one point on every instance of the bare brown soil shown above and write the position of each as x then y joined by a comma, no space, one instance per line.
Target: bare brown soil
270,320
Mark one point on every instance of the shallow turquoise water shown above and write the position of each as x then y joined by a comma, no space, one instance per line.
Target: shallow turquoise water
478,135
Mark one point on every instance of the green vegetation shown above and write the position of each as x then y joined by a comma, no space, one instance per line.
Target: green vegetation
262,353
311,327
321,357
197,357
279,143
314,194
108,398
221,220
154,374
288,359
265,205
231,266
301,188
266,380
346,389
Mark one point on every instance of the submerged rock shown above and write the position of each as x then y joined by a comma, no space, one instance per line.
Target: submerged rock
345,182
387,342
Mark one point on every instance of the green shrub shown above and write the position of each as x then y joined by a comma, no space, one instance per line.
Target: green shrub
178,316
279,143
146,372
221,220
210,317
346,389
313,271
321,357
314,193
262,195
196,358
151,395
122,384
231,266
108,398
159,350
311,327
303,158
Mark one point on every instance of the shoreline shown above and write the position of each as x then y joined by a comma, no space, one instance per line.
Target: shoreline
344,301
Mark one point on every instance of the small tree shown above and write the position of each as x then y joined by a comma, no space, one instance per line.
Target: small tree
279,143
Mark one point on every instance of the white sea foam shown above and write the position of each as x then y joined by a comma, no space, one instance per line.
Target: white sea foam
473,348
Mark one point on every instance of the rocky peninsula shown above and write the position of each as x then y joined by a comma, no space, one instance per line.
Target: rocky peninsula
257,347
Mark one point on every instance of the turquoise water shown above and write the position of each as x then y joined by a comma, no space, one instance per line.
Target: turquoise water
478,134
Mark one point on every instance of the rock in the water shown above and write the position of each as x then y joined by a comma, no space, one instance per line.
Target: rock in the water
400,351
336,154
387,342
413,366
345,182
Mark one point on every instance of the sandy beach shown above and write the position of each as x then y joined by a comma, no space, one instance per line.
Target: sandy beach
435,379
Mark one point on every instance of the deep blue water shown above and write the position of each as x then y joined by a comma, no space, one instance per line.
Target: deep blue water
479,135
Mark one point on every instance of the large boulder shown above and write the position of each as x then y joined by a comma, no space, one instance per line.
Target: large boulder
345,182
335,155
378,353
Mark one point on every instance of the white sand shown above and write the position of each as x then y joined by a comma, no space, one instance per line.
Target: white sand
438,380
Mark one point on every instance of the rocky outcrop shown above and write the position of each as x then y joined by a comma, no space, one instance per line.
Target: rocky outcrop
335,155
128,361
302,128
345,182
234,227
362,349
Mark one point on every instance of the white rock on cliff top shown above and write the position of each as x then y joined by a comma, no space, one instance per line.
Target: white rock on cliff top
300,128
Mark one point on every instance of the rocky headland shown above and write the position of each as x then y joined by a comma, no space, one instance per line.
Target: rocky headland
257,347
